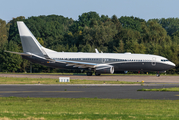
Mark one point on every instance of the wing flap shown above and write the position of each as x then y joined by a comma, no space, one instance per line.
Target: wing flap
77,64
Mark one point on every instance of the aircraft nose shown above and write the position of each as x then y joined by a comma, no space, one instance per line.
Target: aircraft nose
172,64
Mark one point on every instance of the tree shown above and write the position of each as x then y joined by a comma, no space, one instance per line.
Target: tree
120,49
10,62
171,25
85,18
13,30
99,35
116,22
3,33
40,41
131,22
152,31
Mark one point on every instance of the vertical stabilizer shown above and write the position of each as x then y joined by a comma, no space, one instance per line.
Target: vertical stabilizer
29,42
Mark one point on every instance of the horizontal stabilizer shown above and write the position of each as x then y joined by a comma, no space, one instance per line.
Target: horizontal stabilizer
18,53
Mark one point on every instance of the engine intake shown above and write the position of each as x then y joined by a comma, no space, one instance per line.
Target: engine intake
105,69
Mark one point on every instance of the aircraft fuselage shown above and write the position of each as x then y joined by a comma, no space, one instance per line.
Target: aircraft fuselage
121,62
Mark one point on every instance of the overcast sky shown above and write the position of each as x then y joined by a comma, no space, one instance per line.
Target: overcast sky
145,9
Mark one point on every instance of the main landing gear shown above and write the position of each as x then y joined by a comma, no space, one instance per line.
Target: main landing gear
90,74
97,74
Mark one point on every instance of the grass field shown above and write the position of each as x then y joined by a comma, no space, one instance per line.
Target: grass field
14,80
174,89
87,108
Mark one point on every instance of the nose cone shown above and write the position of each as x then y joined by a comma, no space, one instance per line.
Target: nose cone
172,64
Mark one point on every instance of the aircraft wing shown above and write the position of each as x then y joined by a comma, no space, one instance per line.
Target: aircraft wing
77,64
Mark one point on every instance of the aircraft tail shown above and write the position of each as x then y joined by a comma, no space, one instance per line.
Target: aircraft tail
29,42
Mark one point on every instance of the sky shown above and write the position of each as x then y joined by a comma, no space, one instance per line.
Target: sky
145,9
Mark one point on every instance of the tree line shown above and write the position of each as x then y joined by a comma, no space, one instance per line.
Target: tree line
90,31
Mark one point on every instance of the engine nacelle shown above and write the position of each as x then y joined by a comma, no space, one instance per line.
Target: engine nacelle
105,69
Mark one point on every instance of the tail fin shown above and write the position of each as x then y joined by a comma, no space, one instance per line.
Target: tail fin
29,42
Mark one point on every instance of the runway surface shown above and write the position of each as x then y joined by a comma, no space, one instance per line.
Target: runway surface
131,78
92,91
89,91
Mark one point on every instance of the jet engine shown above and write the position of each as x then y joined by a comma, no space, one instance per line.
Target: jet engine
104,69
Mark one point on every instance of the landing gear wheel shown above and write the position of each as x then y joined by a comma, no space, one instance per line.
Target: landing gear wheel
97,74
158,75
89,73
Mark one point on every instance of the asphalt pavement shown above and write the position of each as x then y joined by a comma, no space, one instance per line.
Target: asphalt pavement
89,91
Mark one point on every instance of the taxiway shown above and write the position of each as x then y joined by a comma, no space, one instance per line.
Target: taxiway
88,91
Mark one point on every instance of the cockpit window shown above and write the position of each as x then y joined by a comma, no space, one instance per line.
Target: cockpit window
164,60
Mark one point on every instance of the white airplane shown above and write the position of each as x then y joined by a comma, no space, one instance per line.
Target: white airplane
100,63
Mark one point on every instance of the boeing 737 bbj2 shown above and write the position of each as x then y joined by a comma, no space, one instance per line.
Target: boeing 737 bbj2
91,62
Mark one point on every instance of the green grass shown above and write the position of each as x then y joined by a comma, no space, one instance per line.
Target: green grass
172,89
14,80
87,108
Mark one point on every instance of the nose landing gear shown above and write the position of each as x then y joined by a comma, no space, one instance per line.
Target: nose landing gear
158,74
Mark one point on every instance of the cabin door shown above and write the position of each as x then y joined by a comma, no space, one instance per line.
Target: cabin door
103,60
153,61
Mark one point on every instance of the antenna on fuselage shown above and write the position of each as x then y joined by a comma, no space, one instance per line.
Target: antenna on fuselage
96,50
